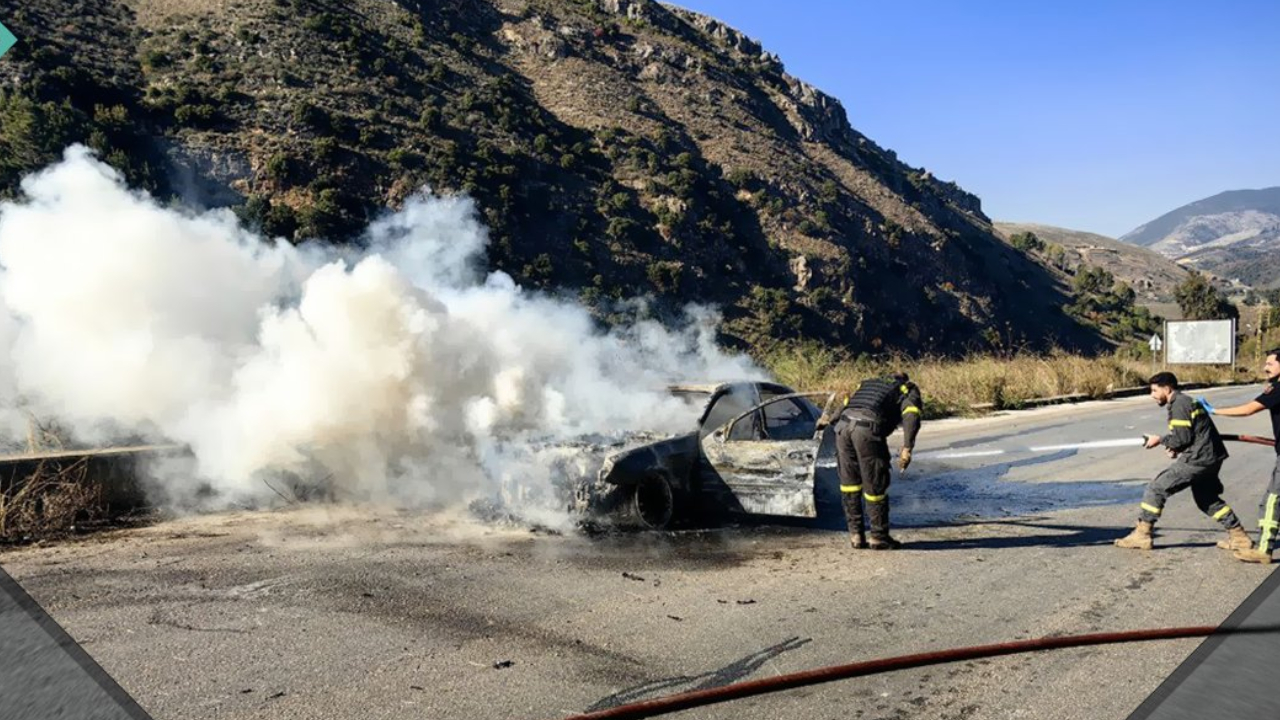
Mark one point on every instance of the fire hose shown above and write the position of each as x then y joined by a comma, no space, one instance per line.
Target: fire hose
951,454
1269,442
737,691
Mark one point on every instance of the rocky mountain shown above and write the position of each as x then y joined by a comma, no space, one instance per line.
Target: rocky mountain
1151,275
1232,234
615,147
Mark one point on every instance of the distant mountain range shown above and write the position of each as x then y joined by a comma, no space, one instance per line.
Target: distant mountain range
1232,234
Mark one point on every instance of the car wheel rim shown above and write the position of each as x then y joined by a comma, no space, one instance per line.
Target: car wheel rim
654,502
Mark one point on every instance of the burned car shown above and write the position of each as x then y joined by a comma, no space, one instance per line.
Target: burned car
759,448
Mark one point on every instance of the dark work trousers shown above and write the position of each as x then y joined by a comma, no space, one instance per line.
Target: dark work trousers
1206,488
863,461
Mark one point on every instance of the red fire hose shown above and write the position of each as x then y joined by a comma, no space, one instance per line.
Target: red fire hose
1251,439
699,698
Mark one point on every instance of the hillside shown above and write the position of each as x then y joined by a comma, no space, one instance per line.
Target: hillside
1232,234
1152,276
616,148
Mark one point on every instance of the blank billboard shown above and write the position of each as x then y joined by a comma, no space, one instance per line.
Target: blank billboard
1200,342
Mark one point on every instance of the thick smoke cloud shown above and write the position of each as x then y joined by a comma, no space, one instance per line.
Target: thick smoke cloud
400,373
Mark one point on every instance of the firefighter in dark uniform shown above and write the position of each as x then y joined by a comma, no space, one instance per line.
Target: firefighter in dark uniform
1194,441
1269,512
869,416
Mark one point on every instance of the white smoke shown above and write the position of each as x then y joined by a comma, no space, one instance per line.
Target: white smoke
400,372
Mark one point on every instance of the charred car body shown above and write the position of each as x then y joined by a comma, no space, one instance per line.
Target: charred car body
759,448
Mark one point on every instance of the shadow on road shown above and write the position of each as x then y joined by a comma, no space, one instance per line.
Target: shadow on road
726,675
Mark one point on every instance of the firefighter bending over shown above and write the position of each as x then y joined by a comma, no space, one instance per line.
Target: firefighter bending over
871,414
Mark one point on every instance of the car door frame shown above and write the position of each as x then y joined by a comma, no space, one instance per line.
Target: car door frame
764,476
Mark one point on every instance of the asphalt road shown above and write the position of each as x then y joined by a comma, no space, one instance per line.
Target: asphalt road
354,613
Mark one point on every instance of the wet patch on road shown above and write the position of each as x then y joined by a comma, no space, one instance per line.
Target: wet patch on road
936,493
947,495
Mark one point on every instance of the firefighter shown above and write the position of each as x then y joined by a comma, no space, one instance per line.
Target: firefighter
869,416
1200,452
1269,513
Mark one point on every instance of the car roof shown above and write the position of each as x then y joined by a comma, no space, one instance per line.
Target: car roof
704,388
713,388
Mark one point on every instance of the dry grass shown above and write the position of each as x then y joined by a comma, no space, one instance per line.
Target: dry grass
50,500
46,497
954,387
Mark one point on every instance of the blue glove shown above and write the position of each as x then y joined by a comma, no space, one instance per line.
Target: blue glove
1205,404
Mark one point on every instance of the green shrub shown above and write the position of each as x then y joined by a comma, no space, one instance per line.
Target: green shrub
201,115
316,118
665,275
1026,242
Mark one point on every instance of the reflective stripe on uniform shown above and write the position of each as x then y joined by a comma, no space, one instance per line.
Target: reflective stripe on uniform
903,388
1196,412
1225,509
1151,509
850,488
1179,423
874,498
1268,524
911,409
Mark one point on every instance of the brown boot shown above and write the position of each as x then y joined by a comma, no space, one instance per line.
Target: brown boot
857,540
1253,556
1139,539
1237,539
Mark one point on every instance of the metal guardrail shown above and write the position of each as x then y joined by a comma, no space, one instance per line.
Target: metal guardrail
69,453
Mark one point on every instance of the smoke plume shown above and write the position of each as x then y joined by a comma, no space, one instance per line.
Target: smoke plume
398,372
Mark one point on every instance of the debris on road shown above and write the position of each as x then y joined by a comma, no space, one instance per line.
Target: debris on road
503,664
629,576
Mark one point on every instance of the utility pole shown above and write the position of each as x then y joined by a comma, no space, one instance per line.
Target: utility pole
1263,316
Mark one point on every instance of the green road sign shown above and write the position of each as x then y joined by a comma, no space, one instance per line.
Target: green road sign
6,39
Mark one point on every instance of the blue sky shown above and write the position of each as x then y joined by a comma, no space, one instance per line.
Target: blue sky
1091,115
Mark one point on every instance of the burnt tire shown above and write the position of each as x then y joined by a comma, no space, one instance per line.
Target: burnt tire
652,505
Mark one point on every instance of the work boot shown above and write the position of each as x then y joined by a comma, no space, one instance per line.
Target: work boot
882,542
852,503
1253,556
878,538
1139,539
1237,539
